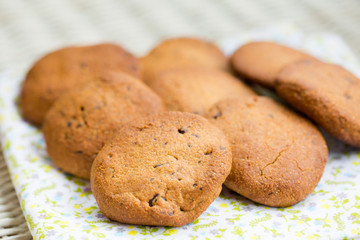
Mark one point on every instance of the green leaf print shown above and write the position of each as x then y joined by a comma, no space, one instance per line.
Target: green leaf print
255,222
338,183
357,216
236,218
274,231
222,231
30,220
98,221
236,205
337,171
313,237
151,230
82,193
320,191
324,220
238,231
42,189
339,222
205,225
169,231
89,210
98,235
13,161
341,203
7,145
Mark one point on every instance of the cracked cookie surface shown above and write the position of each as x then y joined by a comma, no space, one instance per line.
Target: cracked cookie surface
326,93
278,156
162,170
66,69
81,121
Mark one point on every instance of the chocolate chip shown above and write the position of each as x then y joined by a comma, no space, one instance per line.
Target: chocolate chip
219,114
182,130
78,152
153,200
158,165
208,152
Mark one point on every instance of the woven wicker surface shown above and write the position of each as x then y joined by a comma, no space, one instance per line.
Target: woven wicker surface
28,29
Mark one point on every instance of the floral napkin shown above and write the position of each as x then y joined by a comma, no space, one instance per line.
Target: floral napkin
61,206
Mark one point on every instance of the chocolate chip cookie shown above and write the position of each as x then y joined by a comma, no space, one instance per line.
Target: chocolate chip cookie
278,156
65,69
81,121
164,170
261,61
197,89
182,52
326,93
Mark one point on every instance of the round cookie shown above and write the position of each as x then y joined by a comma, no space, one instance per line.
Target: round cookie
326,93
81,121
164,170
278,156
179,53
261,61
63,70
195,90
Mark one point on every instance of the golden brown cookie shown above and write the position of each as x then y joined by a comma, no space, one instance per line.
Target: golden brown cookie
179,53
196,89
278,156
63,70
261,61
81,121
164,170
326,93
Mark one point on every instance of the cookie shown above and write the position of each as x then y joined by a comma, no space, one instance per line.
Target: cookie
164,170
261,61
64,69
278,156
179,53
81,121
196,89
326,93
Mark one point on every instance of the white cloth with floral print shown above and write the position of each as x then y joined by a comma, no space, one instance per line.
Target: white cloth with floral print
60,206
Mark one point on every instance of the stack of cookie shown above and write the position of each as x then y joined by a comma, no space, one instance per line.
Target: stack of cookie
159,135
